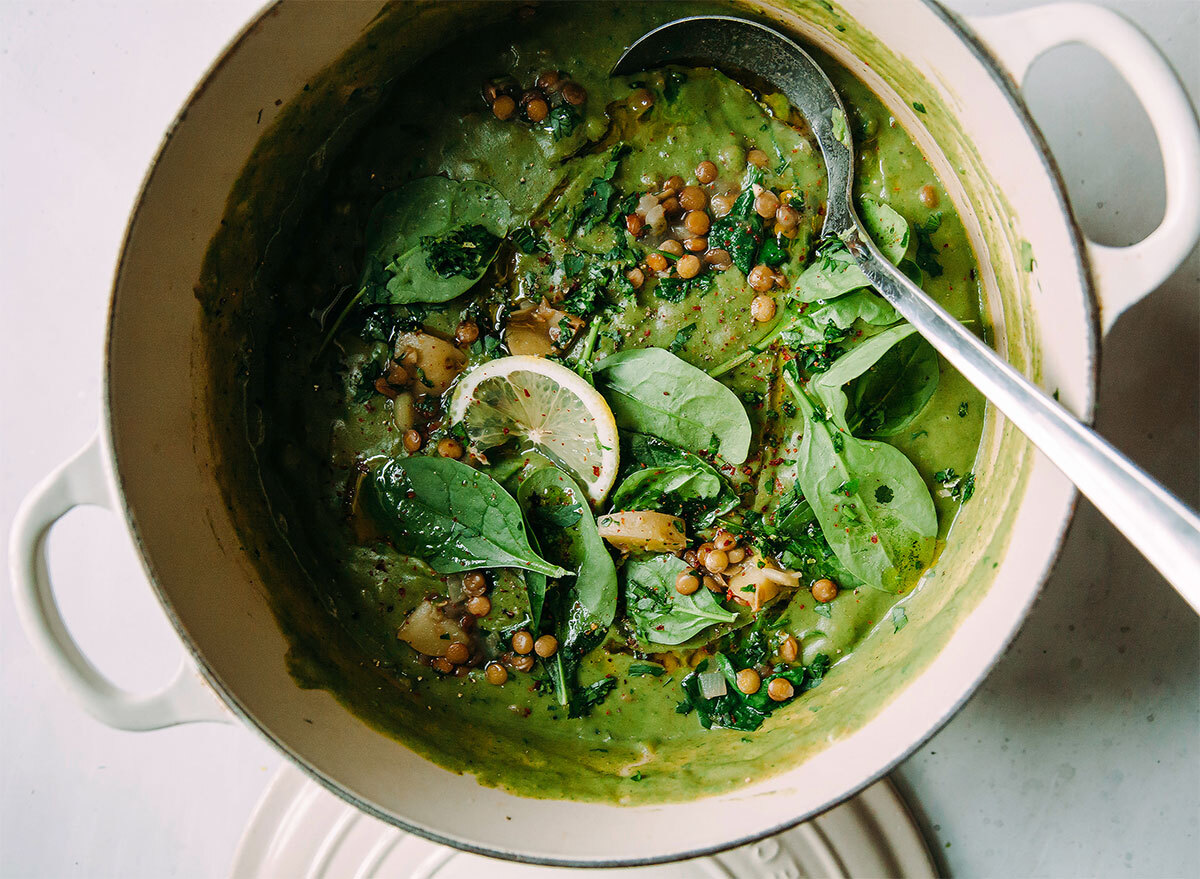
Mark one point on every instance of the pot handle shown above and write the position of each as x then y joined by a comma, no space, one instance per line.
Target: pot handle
1123,275
82,481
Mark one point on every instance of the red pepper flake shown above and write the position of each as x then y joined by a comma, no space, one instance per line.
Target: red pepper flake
596,470
874,538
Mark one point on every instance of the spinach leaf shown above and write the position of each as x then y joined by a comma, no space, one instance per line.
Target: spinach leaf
431,240
834,272
650,390
828,385
643,669
885,399
465,251
581,611
453,517
584,699
887,228
886,545
682,338
677,289
741,230
599,194
926,255
659,614
566,532
673,481
736,710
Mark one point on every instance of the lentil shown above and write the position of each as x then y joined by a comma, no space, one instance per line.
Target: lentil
688,266
466,332
789,650
824,591
449,447
495,673
693,198
522,642
761,278
748,681
545,646
503,107
697,222
762,308
480,605
780,689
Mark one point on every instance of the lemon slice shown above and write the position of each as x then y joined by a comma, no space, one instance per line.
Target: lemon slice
545,407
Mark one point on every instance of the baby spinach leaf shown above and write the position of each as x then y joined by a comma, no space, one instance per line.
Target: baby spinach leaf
741,230
887,228
812,324
581,610
431,240
834,272
650,390
659,614
566,532
453,517
886,545
884,400
673,481
828,385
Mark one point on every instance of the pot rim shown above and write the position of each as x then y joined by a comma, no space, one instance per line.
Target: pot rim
1011,92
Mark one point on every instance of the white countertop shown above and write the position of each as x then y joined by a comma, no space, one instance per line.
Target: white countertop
1079,756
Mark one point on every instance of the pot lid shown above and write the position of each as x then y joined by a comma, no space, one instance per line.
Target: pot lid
299,829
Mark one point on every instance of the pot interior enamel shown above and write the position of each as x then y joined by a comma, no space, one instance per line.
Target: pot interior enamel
180,350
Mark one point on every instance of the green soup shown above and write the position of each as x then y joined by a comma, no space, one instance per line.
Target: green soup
574,169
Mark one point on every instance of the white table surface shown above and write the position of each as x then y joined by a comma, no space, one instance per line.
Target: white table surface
1079,756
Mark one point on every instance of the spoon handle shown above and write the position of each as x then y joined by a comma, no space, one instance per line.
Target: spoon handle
1165,531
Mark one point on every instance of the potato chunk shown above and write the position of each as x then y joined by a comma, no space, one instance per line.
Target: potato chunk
644,531
435,362
757,581
427,630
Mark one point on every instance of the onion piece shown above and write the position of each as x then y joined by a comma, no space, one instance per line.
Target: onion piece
712,684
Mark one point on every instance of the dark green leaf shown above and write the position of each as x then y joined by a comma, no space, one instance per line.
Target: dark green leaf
650,390
886,397
644,669
658,612
887,546
584,699
681,338
452,516
431,239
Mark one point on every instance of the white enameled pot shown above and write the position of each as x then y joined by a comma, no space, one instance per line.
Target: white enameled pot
155,462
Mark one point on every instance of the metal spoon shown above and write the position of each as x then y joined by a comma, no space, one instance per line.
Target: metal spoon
1165,531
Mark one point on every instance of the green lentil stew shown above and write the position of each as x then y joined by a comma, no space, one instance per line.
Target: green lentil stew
586,437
